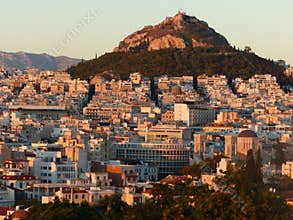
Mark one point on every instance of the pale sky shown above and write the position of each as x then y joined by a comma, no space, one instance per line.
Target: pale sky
82,28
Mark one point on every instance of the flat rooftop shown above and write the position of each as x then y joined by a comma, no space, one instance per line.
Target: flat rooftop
37,107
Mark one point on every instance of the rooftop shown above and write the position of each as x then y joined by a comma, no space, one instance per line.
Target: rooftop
247,133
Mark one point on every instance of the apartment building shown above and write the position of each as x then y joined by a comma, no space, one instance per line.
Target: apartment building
193,115
51,167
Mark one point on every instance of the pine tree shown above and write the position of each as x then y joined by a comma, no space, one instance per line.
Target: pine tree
250,167
279,155
258,166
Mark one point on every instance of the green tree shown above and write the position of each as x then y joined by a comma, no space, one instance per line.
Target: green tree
258,166
112,206
193,170
250,169
279,154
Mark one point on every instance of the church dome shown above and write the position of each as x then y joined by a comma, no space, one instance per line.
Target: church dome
247,134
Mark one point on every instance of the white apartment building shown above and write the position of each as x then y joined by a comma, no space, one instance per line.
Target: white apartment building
193,115
7,196
50,167
17,179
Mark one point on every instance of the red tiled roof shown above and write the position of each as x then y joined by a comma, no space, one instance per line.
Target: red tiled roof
20,177
68,190
3,210
20,214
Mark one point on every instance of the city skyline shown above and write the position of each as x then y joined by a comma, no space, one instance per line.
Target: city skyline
188,116
96,27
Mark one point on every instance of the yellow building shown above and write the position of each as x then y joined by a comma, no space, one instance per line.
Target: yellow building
230,143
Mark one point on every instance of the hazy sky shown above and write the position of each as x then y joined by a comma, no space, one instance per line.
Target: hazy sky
81,28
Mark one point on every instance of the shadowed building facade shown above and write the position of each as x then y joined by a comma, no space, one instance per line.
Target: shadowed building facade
246,140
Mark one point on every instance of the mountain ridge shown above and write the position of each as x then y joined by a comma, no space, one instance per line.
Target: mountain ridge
25,60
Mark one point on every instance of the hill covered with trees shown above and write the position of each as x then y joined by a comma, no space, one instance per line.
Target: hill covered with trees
177,62
179,45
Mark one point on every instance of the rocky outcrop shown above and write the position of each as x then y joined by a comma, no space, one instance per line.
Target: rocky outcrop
180,31
166,42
